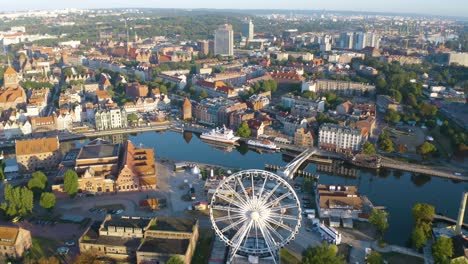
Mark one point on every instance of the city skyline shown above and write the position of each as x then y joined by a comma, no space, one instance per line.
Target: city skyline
429,7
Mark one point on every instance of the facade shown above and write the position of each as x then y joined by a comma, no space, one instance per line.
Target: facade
365,39
304,137
35,154
224,40
248,30
150,240
114,118
186,110
105,167
203,47
344,87
14,241
340,138
460,58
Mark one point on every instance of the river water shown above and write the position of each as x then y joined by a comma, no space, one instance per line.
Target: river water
396,191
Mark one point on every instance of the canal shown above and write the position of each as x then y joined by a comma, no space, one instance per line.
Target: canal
397,191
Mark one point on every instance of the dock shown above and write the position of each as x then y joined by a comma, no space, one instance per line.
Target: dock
449,220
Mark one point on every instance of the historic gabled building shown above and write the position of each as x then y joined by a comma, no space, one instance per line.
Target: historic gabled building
14,241
11,94
105,167
36,154
111,119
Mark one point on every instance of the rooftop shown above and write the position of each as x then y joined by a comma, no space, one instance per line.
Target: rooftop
122,221
99,151
8,235
36,146
165,246
174,224
335,196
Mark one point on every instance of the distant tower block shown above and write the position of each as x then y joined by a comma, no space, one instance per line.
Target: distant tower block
461,213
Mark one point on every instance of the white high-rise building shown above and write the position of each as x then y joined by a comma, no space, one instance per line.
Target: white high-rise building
340,138
248,30
360,40
224,40
366,39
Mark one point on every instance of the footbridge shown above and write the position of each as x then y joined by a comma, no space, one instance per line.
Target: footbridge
289,170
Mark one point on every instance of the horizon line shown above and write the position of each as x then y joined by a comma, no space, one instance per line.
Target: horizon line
244,9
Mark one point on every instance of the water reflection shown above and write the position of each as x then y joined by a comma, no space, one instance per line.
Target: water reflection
420,179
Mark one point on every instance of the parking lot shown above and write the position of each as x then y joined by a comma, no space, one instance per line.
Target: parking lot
409,136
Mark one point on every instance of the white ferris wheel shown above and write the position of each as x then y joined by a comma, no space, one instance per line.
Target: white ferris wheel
255,212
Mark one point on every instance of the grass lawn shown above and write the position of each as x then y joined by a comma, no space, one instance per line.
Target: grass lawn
203,249
397,258
287,257
43,247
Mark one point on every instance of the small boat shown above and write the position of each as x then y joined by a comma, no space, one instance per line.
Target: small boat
223,135
263,144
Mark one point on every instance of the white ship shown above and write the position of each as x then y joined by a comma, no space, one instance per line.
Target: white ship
224,135
263,144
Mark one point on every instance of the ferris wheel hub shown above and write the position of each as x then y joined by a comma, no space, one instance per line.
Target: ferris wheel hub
255,216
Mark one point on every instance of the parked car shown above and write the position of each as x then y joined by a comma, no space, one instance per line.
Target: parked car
63,250
70,243
119,211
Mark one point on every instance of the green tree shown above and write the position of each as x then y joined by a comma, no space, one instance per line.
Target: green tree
70,182
47,200
386,145
36,185
309,95
243,130
2,169
374,258
203,94
442,250
418,237
18,200
368,148
175,260
379,218
40,176
324,253
392,116
132,118
423,212
426,149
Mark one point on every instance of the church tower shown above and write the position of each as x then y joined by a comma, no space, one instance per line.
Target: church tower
10,77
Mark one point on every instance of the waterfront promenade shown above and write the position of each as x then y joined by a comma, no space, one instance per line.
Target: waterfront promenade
443,172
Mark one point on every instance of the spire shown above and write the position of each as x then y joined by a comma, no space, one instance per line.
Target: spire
9,63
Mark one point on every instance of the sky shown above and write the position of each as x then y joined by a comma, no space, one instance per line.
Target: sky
432,7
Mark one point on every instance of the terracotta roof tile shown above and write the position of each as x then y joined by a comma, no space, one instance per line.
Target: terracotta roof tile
8,235
39,145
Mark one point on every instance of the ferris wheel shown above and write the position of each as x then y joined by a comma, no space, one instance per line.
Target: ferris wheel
255,212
